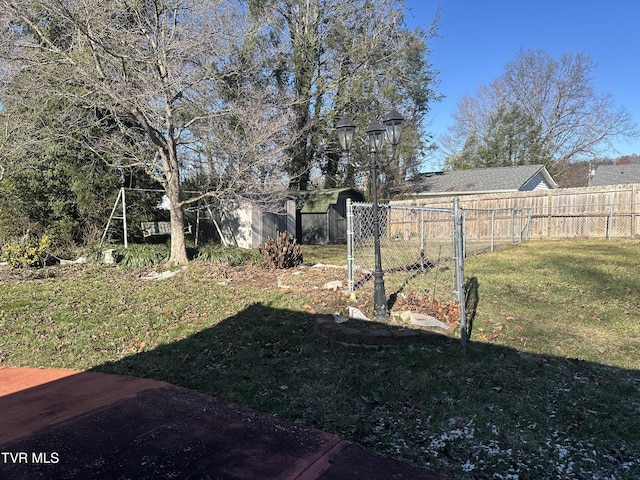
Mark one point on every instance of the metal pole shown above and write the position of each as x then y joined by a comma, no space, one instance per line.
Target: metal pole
520,227
379,296
459,275
493,226
197,223
349,245
124,219
512,226
422,240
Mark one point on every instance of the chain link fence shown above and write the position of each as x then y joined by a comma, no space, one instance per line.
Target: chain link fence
485,229
593,220
421,249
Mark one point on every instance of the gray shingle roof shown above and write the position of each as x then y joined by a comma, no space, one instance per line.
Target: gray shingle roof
476,180
616,174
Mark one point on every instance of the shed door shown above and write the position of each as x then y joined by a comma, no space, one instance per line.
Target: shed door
268,225
337,227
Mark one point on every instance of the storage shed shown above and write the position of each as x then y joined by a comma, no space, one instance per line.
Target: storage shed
322,215
248,220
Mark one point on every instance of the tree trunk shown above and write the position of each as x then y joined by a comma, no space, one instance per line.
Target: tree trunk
178,246
172,189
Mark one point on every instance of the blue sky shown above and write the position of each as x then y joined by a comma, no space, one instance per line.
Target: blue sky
478,37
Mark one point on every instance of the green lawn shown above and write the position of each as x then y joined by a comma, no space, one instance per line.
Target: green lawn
325,254
549,386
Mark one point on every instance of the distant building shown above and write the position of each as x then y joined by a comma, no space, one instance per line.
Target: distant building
615,175
480,180
322,215
312,217
248,220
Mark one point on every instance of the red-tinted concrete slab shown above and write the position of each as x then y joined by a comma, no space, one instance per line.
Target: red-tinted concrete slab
98,426
35,398
15,379
169,433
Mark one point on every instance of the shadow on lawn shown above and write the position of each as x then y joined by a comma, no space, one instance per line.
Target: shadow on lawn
271,360
472,294
258,350
517,412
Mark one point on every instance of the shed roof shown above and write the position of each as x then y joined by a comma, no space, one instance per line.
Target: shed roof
480,179
318,201
616,174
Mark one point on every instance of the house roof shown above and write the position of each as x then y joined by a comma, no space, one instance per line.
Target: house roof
318,201
616,174
480,180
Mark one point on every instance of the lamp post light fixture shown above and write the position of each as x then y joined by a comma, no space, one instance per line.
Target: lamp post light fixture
346,130
376,133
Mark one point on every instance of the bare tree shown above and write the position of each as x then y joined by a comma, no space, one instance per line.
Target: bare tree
349,56
170,74
558,101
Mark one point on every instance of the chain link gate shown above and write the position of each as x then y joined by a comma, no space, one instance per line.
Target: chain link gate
422,248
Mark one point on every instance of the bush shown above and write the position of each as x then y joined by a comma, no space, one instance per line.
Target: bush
234,256
142,255
28,251
282,253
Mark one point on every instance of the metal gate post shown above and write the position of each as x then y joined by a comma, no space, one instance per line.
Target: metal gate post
493,226
459,270
422,240
512,225
349,245
124,220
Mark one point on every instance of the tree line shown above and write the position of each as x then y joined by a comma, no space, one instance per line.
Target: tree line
227,95
211,98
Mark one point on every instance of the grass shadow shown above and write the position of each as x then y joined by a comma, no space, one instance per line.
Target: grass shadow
495,406
472,299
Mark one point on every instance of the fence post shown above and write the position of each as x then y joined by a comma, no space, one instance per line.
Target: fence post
349,245
422,240
459,270
634,194
493,227
512,225
124,220
520,226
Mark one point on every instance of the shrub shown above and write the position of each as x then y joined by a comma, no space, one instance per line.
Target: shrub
282,253
27,251
220,254
142,255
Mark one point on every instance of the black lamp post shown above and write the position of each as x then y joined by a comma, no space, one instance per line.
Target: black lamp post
375,137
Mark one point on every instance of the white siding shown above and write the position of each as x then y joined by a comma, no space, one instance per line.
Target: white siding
535,183
236,223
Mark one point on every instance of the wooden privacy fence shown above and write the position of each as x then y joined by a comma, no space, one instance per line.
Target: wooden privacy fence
590,212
